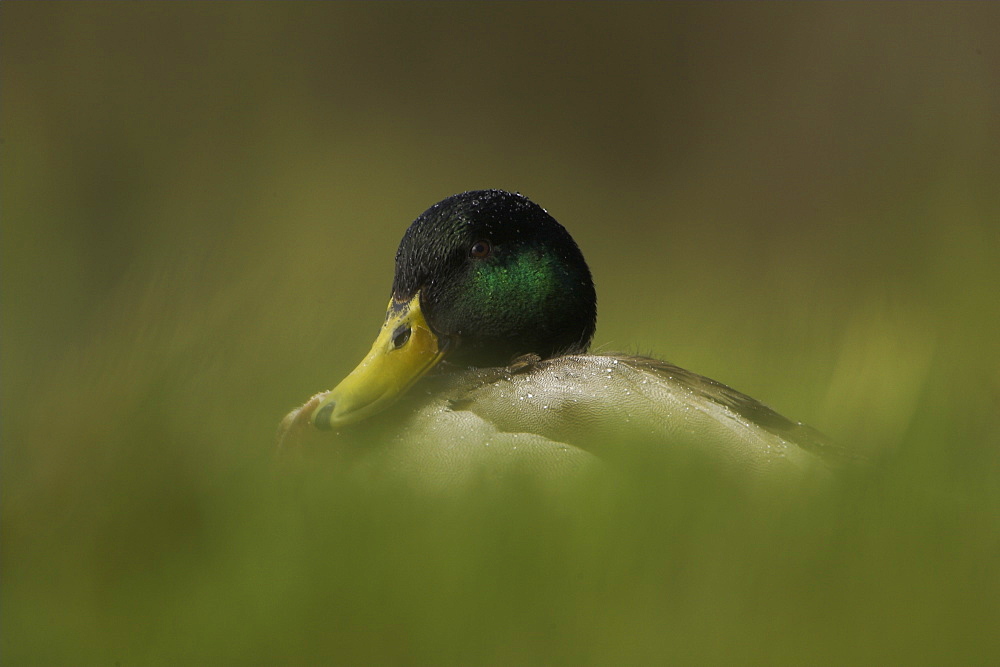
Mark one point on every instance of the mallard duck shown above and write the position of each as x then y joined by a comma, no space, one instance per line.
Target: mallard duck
483,356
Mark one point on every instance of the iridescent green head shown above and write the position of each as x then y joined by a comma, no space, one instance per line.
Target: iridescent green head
481,278
498,277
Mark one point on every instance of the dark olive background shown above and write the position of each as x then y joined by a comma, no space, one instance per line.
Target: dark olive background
201,204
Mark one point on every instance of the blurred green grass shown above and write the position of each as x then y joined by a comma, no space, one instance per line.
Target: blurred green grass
200,209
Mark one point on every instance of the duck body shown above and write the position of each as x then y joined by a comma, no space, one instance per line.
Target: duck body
481,364
569,414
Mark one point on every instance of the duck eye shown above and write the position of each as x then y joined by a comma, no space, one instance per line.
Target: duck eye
399,337
480,249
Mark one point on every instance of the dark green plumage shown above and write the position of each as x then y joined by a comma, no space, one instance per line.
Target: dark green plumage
531,293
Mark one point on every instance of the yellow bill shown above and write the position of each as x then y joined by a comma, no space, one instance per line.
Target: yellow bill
404,351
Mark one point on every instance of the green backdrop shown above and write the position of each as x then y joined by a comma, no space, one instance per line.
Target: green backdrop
200,207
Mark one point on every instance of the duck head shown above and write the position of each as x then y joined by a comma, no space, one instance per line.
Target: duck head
481,278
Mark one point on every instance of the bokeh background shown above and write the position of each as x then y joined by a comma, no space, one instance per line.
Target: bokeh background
200,207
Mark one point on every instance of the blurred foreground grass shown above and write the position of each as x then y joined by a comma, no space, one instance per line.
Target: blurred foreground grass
165,556
200,208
